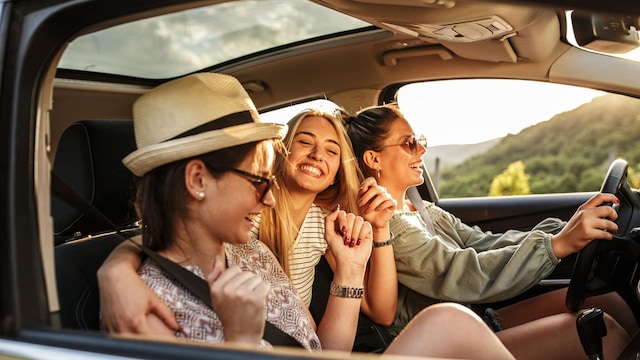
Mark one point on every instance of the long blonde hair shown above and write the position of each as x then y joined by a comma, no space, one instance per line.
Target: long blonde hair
278,230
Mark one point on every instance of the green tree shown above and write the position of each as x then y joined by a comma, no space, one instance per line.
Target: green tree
512,181
633,176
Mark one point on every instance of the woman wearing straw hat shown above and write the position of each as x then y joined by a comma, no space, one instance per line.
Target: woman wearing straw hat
200,136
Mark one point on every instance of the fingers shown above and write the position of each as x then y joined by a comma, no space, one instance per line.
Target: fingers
375,204
372,197
605,212
366,235
598,222
162,311
348,229
331,222
330,219
600,199
590,222
239,298
233,283
352,228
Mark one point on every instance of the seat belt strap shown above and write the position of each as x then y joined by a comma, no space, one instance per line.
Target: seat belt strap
416,200
191,281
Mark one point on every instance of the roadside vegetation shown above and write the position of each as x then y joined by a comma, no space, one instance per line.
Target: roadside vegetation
570,152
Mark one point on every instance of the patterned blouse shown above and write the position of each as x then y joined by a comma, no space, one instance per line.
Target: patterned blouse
198,322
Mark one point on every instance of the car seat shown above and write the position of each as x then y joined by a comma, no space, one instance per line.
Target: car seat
88,159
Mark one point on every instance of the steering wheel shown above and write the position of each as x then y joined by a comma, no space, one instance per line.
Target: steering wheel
598,267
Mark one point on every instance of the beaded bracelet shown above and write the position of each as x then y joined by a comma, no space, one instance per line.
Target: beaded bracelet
346,291
391,241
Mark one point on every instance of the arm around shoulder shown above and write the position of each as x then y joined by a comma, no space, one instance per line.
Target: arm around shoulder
125,300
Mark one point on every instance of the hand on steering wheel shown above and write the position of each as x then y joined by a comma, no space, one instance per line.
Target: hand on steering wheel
585,280
593,220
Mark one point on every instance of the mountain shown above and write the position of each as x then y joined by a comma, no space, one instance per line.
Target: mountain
450,155
569,152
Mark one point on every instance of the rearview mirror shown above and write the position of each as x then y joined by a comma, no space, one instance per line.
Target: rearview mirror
606,33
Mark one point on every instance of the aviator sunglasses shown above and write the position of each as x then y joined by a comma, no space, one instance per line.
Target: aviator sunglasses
411,145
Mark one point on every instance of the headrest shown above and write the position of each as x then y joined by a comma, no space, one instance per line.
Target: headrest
89,160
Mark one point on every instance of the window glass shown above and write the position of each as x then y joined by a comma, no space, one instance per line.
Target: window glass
184,42
512,137
283,115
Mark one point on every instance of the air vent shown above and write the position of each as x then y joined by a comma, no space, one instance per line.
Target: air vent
463,31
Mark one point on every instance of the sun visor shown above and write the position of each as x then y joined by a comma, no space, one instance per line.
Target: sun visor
459,31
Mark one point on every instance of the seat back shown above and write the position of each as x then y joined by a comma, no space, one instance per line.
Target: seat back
76,265
88,159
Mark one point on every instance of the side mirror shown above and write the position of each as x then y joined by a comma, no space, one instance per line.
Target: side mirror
606,33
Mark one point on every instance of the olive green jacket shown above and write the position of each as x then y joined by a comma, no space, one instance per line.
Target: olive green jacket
463,264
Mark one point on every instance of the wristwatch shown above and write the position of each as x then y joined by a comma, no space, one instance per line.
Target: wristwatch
391,241
346,291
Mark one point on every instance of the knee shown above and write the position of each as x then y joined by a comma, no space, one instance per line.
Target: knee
447,313
614,328
616,338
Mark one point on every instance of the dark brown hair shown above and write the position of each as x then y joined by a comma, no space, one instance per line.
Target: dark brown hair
368,129
162,196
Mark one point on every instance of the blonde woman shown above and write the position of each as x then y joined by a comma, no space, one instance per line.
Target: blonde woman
319,171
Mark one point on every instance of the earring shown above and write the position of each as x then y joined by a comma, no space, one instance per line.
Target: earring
200,194
378,174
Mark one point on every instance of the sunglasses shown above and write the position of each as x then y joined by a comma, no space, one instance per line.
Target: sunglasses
411,145
261,183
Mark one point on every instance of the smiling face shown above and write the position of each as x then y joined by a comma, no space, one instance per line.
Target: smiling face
242,196
314,157
399,166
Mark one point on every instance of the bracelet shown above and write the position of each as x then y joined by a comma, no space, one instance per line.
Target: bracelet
346,291
391,241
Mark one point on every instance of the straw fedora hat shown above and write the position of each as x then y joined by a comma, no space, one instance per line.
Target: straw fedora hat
191,116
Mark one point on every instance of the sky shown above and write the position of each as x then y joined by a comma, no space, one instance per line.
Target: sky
472,111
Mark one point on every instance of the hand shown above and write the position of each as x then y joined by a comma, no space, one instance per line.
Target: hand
375,204
126,303
350,241
239,299
591,221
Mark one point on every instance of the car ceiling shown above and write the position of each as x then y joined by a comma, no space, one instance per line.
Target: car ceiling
355,70
365,64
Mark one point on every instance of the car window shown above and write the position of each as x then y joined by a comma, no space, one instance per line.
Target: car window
512,137
284,114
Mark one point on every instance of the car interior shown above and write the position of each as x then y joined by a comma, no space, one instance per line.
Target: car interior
76,110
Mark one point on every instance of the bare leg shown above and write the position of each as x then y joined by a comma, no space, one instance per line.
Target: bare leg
553,303
556,337
435,332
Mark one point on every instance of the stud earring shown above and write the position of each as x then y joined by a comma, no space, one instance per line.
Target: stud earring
200,194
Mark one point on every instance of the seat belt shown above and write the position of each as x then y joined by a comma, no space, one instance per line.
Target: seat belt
416,200
197,285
